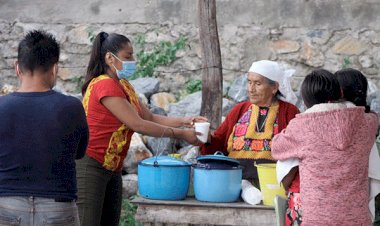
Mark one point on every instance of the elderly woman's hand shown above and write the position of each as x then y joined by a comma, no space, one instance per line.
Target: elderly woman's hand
189,121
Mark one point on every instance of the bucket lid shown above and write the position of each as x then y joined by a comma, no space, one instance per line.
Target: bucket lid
164,161
218,157
217,166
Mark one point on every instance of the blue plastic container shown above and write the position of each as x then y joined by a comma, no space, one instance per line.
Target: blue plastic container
217,178
163,178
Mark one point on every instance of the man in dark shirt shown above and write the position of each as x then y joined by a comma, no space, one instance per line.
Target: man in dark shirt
42,132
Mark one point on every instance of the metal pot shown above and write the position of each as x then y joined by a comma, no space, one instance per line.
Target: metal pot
217,178
164,178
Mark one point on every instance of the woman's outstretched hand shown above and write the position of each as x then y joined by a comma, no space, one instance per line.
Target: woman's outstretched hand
189,121
190,136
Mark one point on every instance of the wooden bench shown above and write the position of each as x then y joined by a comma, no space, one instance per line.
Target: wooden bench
191,211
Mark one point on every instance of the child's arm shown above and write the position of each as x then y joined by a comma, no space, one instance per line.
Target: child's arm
288,179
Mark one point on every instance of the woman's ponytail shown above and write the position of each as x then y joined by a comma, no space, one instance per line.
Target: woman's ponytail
96,65
103,43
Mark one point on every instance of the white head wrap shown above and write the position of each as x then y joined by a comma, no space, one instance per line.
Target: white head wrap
274,72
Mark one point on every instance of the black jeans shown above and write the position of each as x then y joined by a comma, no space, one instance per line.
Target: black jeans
99,194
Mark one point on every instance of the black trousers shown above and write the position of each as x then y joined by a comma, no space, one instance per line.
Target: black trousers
99,194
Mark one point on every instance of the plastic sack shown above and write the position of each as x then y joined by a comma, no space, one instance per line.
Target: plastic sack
249,193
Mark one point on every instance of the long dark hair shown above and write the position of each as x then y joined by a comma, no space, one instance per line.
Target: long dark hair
103,43
354,86
320,86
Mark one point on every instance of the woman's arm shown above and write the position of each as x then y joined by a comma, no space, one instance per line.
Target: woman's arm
124,111
170,121
217,141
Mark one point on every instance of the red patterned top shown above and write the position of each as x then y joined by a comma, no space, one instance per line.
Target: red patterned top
252,139
109,137
219,140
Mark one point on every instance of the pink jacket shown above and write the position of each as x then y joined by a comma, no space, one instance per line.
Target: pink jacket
333,143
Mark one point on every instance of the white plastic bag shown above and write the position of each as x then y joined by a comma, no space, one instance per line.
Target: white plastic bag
249,193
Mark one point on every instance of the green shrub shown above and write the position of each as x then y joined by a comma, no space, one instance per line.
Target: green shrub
128,211
346,63
163,54
78,81
193,86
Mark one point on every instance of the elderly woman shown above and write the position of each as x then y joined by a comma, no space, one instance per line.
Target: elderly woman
247,131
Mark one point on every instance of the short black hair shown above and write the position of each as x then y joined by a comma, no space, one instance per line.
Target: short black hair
38,50
320,86
354,86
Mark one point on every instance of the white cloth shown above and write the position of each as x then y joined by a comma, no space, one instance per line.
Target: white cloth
374,164
249,193
374,178
283,167
273,71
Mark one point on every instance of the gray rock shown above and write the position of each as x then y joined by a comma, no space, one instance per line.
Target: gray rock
238,90
372,87
7,88
189,106
158,111
372,92
226,87
162,100
227,106
137,152
183,151
146,86
190,154
366,61
375,106
77,95
181,144
161,146
372,96
130,185
59,89
143,98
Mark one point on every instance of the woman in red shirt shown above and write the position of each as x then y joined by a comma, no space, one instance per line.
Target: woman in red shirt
114,112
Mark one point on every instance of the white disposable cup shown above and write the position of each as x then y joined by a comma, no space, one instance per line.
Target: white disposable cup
202,127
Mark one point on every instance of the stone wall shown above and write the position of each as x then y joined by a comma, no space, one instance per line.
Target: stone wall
301,34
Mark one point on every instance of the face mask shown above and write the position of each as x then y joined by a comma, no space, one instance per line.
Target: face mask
129,67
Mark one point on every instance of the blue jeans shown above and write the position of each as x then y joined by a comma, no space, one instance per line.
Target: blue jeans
28,211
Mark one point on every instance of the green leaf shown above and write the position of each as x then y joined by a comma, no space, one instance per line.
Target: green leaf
193,86
346,63
162,54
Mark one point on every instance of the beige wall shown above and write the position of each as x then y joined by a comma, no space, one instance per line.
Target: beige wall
302,34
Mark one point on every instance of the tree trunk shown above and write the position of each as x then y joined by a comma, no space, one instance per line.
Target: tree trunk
212,79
